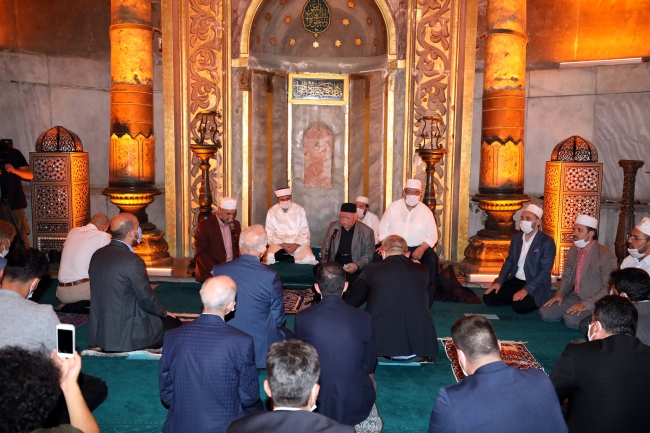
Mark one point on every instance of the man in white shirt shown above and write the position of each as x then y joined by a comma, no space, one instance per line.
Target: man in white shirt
638,245
288,231
367,217
79,247
412,220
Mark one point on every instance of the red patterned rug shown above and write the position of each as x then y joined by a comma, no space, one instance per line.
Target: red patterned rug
73,319
296,300
514,353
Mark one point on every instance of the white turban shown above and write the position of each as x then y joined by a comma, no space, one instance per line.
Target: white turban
644,226
363,199
587,220
228,203
534,209
413,184
282,192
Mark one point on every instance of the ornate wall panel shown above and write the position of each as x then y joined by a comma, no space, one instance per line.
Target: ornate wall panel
570,189
60,196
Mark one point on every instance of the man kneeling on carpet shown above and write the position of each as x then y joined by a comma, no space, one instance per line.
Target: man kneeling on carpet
207,371
292,384
31,387
494,397
32,326
124,315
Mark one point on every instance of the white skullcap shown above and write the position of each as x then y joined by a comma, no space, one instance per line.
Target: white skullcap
363,199
644,226
534,209
282,192
413,184
587,220
228,203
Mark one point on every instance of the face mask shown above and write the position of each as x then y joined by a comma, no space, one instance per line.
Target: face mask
526,226
4,252
285,204
361,213
312,408
139,235
634,252
581,243
589,336
462,367
412,200
31,293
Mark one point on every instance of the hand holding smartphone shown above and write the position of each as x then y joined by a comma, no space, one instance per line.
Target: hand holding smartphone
65,341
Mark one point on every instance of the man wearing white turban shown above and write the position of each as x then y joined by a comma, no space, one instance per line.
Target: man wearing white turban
638,245
585,278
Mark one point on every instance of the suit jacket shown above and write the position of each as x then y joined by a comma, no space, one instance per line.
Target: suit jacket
363,243
207,376
643,329
124,314
260,302
347,356
607,383
398,293
594,282
283,421
537,266
498,398
209,247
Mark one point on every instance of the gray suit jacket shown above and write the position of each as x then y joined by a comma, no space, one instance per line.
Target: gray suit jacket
594,283
643,330
363,243
124,313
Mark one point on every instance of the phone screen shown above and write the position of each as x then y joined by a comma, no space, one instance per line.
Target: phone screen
65,341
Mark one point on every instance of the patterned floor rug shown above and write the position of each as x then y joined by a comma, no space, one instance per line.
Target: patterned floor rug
296,300
73,319
136,354
514,353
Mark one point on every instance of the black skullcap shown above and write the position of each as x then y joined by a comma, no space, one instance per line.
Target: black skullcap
349,207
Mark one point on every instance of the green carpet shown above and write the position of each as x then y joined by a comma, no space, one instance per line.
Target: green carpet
405,395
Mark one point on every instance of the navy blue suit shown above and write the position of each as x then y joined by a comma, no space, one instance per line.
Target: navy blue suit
287,421
345,342
207,376
537,266
259,311
498,398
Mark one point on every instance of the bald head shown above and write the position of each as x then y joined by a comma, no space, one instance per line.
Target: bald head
100,221
218,295
122,224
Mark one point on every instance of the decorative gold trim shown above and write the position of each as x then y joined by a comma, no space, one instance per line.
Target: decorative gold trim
346,155
245,138
366,135
390,138
227,101
269,141
344,78
408,94
169,125
289,140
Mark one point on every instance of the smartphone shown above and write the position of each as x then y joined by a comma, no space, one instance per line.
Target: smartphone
65,341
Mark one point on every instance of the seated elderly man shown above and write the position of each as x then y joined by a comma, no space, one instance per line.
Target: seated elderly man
638,246
260,301
288,231
78,248
399,294
365,216
352,242
585,279
525,278
607,379
292,384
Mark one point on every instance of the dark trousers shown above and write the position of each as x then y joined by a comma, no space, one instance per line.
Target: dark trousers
94,391
169,323
505,294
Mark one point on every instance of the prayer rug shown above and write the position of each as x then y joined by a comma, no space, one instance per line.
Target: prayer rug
298,300
73,319
136,354
514,353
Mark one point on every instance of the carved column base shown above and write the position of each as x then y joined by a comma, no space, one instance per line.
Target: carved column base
430,157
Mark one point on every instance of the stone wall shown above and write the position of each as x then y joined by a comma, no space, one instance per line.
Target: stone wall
39,92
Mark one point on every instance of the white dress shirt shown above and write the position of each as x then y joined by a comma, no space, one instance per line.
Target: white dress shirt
522,257
631,262
288,226
78,248
415,226
372,221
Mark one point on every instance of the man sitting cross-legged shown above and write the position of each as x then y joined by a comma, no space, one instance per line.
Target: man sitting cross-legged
207,371
292,383
345,342
494,397
124,314
524,281
607,378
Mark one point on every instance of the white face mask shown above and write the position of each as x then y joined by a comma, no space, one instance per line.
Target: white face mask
581,243
526,226
634,252
285,204
589,336
412,200
361,213
462,367
4,252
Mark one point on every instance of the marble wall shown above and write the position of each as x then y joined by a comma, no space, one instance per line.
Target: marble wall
39,92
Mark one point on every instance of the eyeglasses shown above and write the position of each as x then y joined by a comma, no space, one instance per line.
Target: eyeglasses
635,238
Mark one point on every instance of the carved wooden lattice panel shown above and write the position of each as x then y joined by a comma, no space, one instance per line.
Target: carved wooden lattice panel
51,201
574,205
582,179
50,169
80,170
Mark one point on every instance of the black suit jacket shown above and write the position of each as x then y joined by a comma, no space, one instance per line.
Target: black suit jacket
209,248
124,314
398,293
607,383
347,356
286,421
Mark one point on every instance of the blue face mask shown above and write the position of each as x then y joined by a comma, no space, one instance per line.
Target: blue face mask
139,234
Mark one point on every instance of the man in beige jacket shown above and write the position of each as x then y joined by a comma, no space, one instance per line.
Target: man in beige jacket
585,278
